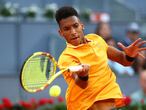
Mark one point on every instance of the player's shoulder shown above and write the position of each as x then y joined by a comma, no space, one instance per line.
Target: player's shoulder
93,36
64,54
61,57
98,39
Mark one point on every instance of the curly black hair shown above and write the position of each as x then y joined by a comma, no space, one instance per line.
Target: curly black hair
65,12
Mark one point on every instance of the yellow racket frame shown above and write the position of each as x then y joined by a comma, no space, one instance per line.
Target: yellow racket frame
52,78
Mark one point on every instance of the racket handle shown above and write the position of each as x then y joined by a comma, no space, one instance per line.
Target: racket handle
75,68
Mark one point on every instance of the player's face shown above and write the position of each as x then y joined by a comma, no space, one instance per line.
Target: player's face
72,30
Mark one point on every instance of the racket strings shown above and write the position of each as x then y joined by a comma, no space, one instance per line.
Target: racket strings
37,72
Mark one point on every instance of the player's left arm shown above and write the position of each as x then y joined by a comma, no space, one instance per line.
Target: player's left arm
129,53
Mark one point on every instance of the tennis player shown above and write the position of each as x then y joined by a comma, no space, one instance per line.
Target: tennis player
94,87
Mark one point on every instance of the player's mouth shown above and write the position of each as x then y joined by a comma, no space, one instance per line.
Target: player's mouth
74,38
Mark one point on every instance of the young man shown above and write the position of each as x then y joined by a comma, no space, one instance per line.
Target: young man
94,86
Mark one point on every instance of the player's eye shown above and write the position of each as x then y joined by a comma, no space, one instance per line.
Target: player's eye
66,28
76,25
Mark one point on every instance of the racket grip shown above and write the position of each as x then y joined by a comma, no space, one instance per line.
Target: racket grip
75,68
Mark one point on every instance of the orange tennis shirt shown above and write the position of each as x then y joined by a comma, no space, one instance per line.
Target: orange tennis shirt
102,81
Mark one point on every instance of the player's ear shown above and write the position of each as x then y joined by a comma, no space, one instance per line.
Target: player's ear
60,33
83,27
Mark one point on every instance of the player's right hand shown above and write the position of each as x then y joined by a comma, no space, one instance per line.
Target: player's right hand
84,71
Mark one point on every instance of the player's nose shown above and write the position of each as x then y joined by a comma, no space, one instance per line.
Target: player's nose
73,31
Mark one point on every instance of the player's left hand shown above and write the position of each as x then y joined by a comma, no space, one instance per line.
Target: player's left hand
134,49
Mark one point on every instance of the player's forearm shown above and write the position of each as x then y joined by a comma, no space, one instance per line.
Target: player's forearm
118,56
125,59
82,82
81,76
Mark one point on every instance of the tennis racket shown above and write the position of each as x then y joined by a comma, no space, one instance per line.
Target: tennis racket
39,71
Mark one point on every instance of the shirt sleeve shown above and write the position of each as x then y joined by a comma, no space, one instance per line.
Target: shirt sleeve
65,61
104,43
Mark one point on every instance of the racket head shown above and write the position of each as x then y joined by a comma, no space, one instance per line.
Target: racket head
36,71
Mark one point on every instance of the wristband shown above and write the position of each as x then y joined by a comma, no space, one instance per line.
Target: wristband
130,59
83,78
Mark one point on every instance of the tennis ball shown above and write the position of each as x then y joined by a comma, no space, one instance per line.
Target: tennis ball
55,91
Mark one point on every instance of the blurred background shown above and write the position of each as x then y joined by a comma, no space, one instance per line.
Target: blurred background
27,26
